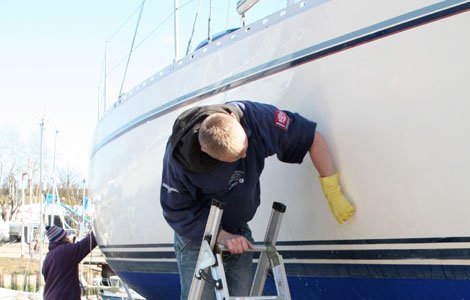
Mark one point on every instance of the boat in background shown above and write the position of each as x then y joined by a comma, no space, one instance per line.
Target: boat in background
388,84
27,218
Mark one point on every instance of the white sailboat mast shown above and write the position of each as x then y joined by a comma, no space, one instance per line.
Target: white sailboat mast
55,193
176,30
41,224
23,174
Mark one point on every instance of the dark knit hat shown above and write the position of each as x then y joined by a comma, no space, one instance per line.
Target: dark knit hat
55,233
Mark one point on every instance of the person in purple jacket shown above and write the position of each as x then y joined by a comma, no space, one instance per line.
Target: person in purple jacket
60,269
218,151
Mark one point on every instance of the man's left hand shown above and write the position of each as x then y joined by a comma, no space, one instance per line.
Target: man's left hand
235,244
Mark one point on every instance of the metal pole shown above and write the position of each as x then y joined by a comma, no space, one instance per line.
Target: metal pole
105,76
82,225
30,177
41,224
51,221
177,54
22,213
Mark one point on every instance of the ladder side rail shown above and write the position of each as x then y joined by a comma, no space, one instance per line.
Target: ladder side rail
280,276
218,273
270,239
221,287
210,235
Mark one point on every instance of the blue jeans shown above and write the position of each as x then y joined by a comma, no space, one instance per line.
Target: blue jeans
238,267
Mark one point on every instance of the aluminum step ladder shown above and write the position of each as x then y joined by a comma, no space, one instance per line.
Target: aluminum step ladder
210,257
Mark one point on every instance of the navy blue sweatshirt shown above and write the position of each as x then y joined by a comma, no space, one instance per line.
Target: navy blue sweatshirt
60,268
186,194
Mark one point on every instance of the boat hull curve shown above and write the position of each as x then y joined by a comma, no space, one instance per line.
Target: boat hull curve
388,87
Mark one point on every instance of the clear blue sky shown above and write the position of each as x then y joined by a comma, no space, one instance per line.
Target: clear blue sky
52,53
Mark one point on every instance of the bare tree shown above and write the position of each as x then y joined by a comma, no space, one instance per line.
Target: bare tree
10,148
32,157
69,186
16,158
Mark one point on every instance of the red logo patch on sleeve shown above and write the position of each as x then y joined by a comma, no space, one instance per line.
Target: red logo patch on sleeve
281,120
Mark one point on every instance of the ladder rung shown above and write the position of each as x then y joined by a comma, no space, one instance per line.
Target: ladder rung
210,256
258,298
256,248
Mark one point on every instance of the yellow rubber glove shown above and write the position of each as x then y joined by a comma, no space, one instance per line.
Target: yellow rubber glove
340,206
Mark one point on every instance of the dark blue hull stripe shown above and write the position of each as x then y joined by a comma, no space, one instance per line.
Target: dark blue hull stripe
382,254
429,240
166,287
380,30
410,271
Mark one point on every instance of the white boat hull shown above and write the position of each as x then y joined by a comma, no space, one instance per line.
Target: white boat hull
388,85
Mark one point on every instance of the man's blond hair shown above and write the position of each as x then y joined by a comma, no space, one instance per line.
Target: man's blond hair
221,135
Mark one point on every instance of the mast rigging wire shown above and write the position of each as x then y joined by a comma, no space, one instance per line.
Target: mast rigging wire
132,47
147,37
209,38
194,26
226,18
124,23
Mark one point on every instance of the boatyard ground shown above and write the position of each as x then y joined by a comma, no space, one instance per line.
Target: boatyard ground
16,271
13,265
11,261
